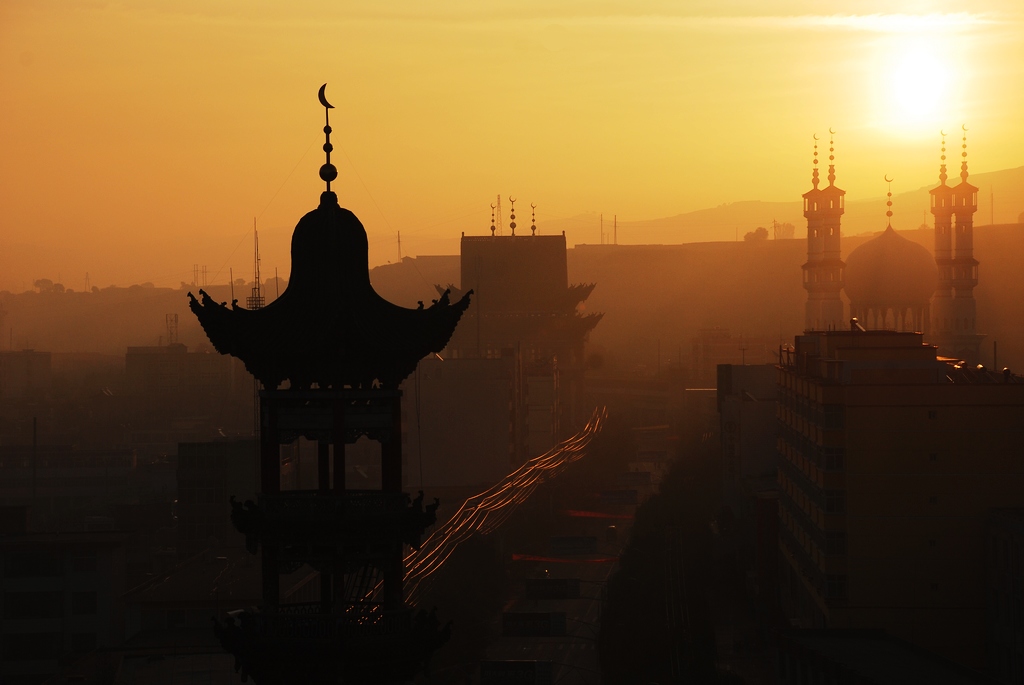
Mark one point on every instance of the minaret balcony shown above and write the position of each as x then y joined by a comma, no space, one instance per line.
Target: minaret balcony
357,521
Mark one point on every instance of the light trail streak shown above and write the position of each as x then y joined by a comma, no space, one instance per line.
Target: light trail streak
484,513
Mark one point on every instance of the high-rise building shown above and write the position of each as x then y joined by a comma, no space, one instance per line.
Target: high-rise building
823,271
890,462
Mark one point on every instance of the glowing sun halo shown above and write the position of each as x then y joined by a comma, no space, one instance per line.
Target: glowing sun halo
918,83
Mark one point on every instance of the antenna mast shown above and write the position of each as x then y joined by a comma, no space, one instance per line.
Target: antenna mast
497,209
255,299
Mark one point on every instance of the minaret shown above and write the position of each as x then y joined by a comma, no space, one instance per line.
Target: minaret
953,311
823,272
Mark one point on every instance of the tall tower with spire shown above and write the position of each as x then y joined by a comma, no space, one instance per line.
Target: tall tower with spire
953,307
823,271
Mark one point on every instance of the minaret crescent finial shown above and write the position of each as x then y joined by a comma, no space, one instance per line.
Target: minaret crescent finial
328,172
888,201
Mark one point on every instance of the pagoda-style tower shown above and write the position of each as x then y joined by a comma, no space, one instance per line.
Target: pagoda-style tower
953,307
343,350
823,272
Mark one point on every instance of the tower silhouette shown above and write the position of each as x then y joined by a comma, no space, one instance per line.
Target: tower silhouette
823,271
953,306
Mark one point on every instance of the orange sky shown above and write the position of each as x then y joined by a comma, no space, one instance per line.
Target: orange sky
140,138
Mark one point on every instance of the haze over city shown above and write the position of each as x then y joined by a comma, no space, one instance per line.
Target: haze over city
141,139
511,343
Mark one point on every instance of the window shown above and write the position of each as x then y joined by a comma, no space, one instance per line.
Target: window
83,642
27,605
834,458
835,501
835,543
35,564
833,416
83,603
835,587
32,646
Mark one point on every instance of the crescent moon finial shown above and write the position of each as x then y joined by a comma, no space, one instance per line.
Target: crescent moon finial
533,206
511,199
831,131
964,127
887,179
328,172
323,98
816,137
942,132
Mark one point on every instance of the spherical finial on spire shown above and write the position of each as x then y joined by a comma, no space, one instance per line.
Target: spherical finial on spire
888,202
814,175
831,157
963,164
942,166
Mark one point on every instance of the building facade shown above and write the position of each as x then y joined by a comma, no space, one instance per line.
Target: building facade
890,460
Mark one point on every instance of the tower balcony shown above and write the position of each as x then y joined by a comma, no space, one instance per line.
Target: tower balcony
318,526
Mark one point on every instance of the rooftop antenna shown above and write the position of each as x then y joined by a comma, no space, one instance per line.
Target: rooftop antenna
399,246
615,229
328,172
533,219
498,215
255,299
512,215
172,328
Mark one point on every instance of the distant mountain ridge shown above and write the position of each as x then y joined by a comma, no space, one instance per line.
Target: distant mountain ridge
732,220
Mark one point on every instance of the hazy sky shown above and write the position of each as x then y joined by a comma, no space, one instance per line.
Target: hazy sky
140,138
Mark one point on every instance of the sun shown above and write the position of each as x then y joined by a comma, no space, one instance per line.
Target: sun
916,83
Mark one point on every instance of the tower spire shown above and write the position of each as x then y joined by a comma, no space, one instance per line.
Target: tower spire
814,175
831,157
963,164
328,172
888,202
512,215
942,166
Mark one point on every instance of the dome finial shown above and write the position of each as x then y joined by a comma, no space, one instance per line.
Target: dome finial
963,164
888,202
814,176
328,172
942,166
831,157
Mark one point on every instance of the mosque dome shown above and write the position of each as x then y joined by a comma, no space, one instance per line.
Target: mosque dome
890,271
